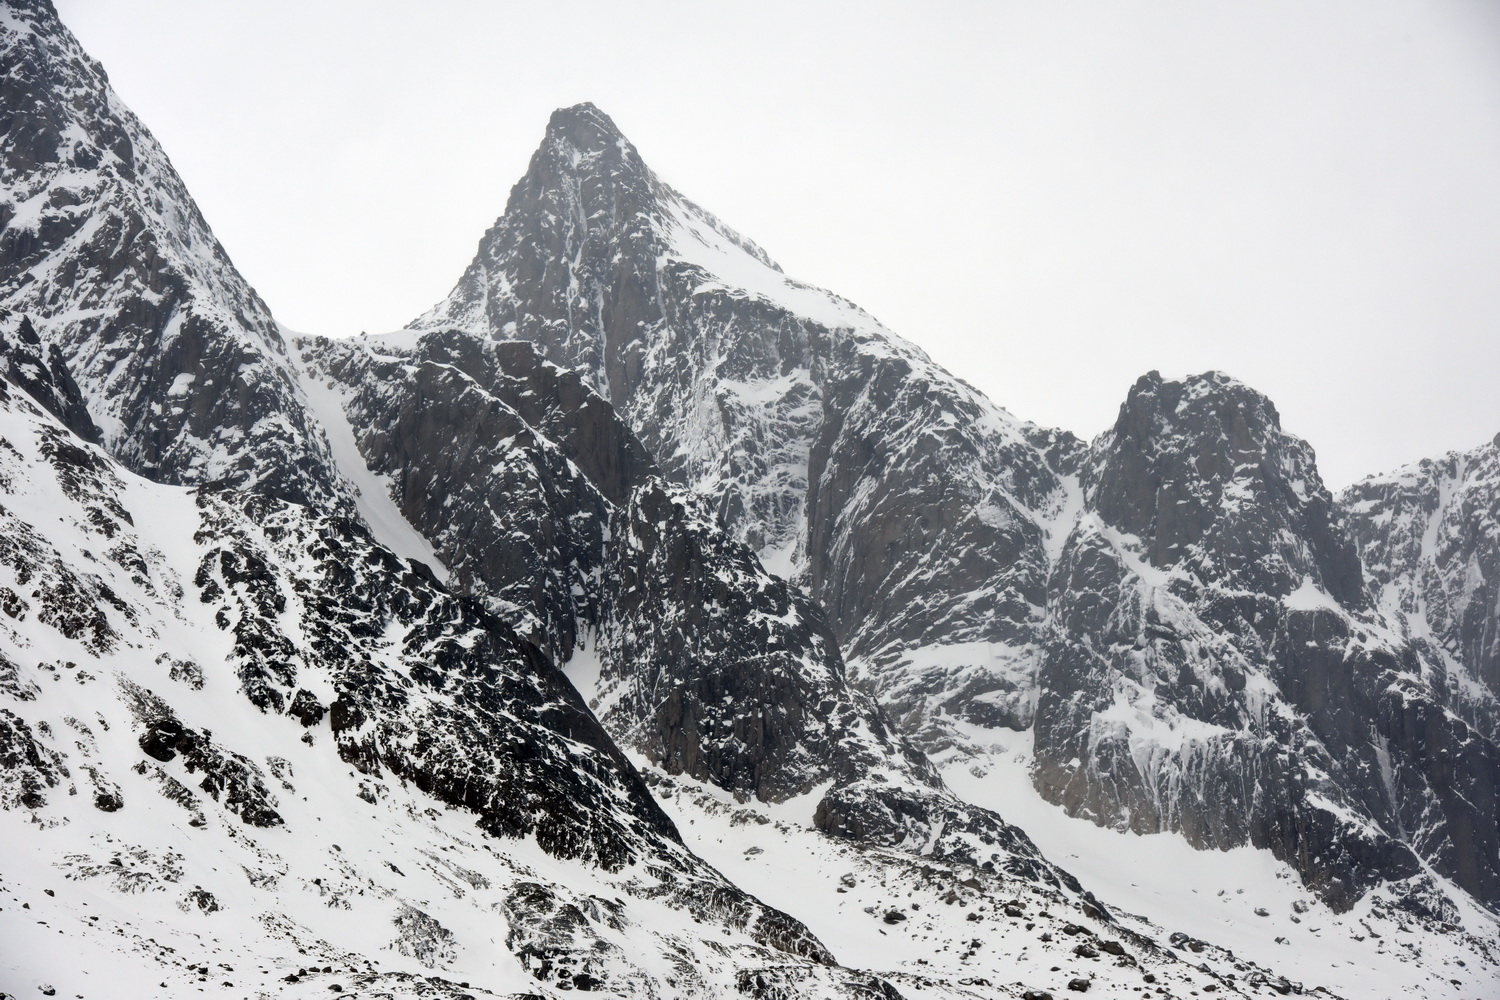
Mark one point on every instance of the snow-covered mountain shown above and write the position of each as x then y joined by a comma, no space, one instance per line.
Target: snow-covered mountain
247,749
1144,604
1214,665
104,252
220,703
503,655
917,512
199,623
539,498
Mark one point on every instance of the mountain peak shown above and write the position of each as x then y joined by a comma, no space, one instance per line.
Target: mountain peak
1201,465
1168,397
582,142
583,126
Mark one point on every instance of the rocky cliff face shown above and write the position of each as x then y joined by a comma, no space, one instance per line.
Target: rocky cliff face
1429,537
719,670
538,497
913,509
1215,667
508,465
43,374
716,669
103,250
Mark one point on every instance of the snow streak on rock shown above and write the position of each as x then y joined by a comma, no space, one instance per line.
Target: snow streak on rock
1214,666
1429,536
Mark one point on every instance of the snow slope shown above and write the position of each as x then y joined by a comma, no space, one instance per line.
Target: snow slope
433,806
1373,950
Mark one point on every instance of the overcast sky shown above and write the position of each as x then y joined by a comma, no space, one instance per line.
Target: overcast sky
1051,198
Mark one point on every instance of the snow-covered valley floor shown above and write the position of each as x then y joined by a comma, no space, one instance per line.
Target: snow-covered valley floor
1371,951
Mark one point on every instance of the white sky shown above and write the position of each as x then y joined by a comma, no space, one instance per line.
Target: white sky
1051,198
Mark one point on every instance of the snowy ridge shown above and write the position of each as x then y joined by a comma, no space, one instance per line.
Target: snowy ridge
104,251
1248,905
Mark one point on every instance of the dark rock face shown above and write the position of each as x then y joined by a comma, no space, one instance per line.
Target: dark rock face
714,668
719,670
28,768
507,464
912,508
600,324
541,501
1200,470
45,378
1429,536
228,777
104,252
928,514
1215,667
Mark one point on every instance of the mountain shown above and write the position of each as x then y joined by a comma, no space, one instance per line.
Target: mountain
1176,611
1216,666
538,497
501,656
253,712
918,513
388,691
723,682
104,253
